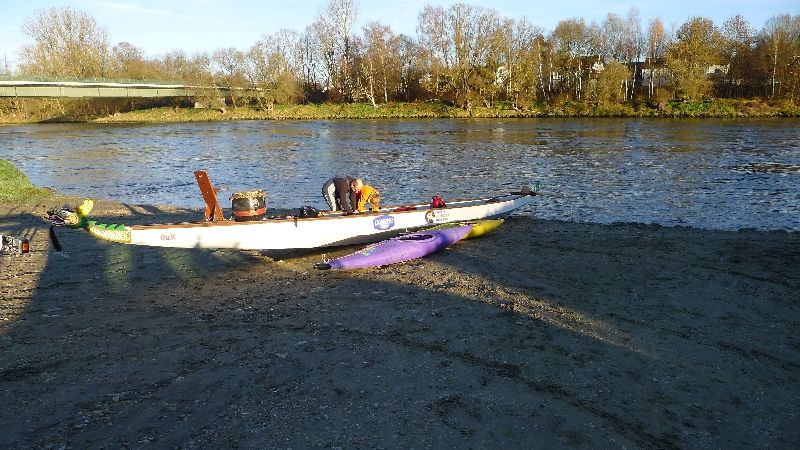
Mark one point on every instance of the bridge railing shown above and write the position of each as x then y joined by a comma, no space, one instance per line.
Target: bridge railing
79,88
8,77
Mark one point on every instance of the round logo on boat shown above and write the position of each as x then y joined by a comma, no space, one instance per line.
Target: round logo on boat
436,216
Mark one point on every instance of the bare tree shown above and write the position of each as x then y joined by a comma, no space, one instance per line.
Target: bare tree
312,70
327,51
780,40
433,39
633,47
492,45
412,68
613,38
228,65
521,61
697,47
380,61
657,41
570,42
792,63
609,86
67,43
737,49
622,41
334,33
5,68
128,61
461,43
273,64
193,70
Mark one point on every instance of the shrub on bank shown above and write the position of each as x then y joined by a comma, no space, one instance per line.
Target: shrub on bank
16,188
87,110
61,110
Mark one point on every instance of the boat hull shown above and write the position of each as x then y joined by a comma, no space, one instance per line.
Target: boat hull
333,229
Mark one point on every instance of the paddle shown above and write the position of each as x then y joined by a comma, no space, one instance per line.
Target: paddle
54,239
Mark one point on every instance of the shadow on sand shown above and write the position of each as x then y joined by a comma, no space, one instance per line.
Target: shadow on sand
543,334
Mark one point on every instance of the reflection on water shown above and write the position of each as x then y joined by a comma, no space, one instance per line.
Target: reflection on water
770,167
721,174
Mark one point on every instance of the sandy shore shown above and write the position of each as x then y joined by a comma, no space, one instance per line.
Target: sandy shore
544,334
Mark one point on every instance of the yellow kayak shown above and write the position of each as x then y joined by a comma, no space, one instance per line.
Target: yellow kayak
479,227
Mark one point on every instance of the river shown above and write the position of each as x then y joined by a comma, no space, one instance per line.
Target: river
706,173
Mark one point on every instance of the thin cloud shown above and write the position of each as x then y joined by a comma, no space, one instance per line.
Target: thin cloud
400,17
139,9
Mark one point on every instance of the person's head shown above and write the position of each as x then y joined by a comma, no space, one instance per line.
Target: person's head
356,185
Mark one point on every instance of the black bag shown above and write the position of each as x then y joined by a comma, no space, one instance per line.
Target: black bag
307,212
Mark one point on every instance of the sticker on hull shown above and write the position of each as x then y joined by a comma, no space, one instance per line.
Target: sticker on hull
437,216
383,223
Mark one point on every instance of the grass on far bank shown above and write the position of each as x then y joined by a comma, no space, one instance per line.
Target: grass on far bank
93,110
16,188
430,110
324,111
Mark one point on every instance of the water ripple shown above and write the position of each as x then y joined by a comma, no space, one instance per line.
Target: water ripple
718,174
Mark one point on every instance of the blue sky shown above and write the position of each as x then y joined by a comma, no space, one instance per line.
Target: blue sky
205,25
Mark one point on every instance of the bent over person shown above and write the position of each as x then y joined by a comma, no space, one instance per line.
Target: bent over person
365,194
337,193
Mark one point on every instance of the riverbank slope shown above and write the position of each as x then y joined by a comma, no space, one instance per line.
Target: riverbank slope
544,334
82,110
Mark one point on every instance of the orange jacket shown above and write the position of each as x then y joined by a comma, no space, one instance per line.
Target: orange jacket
368,194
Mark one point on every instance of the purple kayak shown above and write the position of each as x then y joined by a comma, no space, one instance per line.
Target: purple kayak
402,248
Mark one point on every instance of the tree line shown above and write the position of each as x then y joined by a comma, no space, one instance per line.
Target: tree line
462,55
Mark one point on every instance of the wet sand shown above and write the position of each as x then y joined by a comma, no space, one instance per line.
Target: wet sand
543,334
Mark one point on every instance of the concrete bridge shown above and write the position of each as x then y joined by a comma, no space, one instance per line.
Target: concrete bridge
110,89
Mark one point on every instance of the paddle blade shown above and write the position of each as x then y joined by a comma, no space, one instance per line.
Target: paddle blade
54,239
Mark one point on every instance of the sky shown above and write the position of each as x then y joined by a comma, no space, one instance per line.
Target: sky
196,26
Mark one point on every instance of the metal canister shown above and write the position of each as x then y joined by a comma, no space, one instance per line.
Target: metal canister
248,206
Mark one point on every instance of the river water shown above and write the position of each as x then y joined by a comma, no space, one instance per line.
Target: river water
706,173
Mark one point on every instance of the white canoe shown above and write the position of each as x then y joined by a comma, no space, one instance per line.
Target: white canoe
332,229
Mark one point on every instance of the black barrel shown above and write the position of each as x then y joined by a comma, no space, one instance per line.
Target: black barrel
249,206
